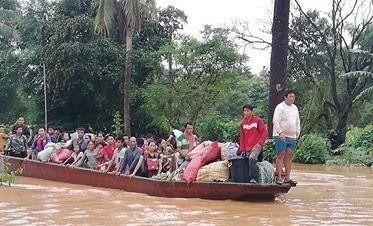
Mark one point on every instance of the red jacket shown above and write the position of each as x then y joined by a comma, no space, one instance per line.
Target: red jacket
252,131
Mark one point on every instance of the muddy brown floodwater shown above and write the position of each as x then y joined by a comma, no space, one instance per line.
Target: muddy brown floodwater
324,196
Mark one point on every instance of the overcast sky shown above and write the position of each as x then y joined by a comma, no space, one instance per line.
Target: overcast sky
257,13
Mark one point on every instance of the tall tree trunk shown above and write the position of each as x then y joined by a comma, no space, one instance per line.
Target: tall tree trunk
277,78
127,82
342,123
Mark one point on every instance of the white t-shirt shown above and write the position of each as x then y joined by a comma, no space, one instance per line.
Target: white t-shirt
118,156
286,120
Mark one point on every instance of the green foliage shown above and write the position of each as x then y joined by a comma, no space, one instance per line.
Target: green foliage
200,81
269,150
214,127
83,70
312,149
117,124
7,176
330,84
360,137
242,90
358,148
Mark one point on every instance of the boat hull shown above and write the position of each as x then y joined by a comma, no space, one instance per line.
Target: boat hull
153,187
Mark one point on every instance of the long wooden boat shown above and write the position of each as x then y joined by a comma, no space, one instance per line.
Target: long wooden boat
153,187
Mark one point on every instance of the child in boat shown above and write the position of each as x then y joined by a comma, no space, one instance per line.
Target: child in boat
106,153
75,156
118,155
152,160
88,159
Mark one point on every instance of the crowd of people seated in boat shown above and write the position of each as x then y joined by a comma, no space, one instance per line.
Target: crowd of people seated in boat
171,158
120,155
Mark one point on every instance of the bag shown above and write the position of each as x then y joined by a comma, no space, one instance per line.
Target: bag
239,170
190,173
210,153
231,151
266,172
152,164
216,171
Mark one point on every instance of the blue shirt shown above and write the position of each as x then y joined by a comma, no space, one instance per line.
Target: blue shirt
130,160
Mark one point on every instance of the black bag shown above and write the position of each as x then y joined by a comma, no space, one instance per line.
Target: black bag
239,170
17,154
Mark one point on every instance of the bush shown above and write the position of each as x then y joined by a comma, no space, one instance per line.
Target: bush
312,149
357,149
269,151
360,138
215,127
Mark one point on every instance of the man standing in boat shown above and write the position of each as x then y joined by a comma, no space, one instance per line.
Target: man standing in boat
286,130
253,134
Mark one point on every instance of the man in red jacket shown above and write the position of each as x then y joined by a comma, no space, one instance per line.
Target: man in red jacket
253,134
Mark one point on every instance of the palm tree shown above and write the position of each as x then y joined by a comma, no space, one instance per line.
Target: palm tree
127,13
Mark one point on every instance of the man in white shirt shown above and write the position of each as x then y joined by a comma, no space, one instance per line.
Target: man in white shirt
286,130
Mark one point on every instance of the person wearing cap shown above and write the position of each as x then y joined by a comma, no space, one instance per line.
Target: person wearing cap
252,136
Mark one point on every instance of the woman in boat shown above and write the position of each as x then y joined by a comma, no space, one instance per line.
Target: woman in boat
40,140
17,144
152,160
75,156
65,140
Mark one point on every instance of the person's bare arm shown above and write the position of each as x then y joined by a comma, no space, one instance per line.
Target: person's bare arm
159,166
111,162
141,159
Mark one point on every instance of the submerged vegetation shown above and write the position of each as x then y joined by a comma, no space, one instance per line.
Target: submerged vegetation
7,176
357,150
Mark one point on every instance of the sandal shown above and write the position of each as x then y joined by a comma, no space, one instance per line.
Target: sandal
291,182
279,181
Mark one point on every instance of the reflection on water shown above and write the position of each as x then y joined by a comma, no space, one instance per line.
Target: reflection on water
324,196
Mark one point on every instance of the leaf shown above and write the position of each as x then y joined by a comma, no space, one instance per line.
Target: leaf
365,92
104,17
358,74
361,53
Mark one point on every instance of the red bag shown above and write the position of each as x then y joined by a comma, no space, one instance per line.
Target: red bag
190,173
152,164
210,153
